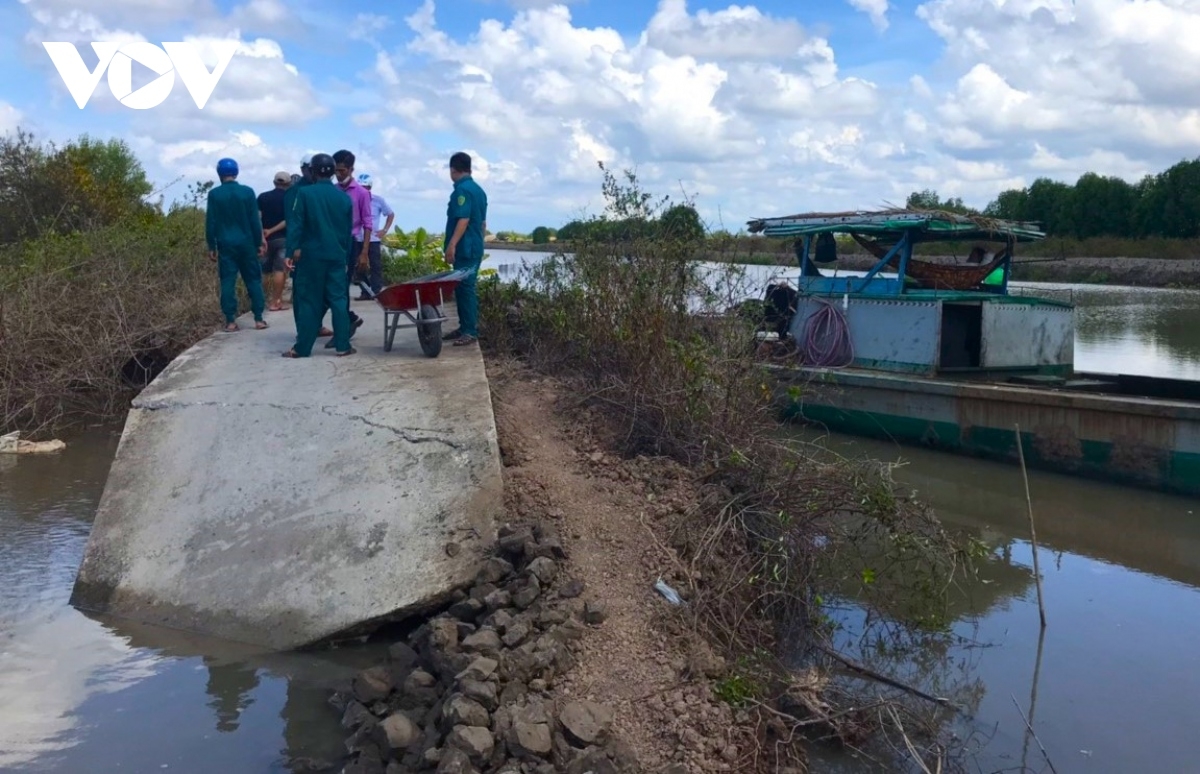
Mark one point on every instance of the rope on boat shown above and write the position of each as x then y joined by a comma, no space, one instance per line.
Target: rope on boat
827,338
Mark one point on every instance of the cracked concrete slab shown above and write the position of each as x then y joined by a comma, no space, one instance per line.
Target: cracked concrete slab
282,502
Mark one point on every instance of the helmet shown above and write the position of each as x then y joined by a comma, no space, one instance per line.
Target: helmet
365,180
227,168
304,161
322,165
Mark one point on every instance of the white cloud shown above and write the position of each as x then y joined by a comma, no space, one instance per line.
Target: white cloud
721,101
876,9
10,118
1064,73
737,32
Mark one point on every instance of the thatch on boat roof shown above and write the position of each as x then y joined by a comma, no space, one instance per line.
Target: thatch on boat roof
892,222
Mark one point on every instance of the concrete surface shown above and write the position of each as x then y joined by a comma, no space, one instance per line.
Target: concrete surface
281,502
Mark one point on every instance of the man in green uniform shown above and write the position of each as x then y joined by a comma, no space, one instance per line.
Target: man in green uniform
233,229
289,201
466,223
322,215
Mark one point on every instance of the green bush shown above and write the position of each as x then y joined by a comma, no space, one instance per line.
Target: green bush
408,255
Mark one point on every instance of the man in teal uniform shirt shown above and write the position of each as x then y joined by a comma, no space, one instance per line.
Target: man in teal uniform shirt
233,229
321,215
289,201
466,222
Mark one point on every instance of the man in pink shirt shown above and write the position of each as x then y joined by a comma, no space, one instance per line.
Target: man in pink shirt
362,222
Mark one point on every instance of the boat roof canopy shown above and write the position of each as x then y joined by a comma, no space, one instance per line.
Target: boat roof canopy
891,225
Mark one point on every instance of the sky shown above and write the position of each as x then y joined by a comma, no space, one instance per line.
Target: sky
769,108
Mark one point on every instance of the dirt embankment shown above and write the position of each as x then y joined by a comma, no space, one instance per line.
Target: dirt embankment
562,657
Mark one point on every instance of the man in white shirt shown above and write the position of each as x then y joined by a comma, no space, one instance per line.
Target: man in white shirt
379,209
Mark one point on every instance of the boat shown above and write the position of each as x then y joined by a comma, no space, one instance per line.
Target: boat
944,355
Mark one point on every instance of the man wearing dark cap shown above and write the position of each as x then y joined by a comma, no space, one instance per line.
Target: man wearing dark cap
271,206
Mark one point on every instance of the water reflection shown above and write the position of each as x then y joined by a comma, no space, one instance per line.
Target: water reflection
80,693
1121,570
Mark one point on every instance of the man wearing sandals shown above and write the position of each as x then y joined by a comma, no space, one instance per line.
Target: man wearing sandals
270,206
466,219
305,178
322,217
233,230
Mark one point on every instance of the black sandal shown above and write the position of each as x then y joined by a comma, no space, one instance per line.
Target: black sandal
350,351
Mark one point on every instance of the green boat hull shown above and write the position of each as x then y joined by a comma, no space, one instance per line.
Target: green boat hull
1146,442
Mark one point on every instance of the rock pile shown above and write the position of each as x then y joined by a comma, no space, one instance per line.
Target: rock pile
470,690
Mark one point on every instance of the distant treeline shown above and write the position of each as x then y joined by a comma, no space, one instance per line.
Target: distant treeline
1166,205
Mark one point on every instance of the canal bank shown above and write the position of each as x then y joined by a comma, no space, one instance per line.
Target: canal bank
87,691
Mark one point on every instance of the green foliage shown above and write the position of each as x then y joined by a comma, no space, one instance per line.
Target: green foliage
632,215
1166,205
407,255
928,200
541,235
739,690
84,185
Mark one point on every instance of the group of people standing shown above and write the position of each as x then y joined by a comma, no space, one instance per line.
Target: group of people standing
323,234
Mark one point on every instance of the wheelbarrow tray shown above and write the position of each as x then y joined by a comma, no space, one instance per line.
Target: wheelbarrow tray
410,295
424,295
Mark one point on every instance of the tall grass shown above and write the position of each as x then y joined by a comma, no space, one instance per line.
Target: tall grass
87,318
638,330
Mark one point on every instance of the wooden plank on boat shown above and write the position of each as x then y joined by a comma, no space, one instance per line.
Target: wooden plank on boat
1038,380
1091,385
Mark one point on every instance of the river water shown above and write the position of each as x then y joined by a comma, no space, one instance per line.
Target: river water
1118,688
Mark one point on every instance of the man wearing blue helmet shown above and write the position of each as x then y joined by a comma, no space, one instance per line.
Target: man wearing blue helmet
233,229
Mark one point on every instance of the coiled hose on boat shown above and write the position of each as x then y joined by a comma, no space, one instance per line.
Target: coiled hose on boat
827,338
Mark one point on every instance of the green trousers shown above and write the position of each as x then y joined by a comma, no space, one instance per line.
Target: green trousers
320,285
466,297
231,263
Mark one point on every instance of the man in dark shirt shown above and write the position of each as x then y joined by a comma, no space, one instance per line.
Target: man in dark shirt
270,205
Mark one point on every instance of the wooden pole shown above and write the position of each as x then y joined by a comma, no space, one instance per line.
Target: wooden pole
1037,574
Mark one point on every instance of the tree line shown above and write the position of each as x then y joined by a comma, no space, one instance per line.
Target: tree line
1165,205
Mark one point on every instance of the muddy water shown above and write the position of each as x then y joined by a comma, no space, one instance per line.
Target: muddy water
82,695
1116,685
1118,676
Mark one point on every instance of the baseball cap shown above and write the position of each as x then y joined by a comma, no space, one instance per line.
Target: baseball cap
283,177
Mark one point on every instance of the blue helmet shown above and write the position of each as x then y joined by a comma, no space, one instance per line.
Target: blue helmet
227,168
365,180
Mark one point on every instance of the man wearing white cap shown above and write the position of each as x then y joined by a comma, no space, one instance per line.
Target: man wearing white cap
379,209
271,207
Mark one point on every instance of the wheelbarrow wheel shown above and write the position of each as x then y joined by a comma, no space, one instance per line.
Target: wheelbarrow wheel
429,333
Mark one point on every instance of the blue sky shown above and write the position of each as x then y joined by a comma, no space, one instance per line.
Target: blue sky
757,109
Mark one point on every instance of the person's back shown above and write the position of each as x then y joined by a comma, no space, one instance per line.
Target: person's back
270,204
232,217
319,227
472,242
326,214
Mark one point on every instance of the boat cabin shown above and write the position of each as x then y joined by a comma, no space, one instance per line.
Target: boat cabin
917,316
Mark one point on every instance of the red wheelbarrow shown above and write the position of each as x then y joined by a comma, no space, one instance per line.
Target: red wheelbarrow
424,295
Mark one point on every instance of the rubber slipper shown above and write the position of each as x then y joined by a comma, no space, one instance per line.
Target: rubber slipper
464,341
291,353
234,328
261,325
350,351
